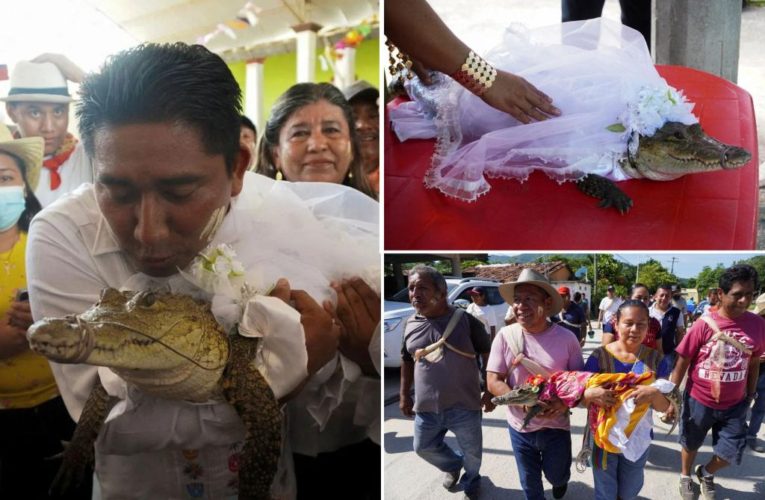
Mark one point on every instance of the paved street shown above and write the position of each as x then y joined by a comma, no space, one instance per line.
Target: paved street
409,477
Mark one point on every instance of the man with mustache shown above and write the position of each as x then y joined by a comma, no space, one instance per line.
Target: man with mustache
446,381
544,445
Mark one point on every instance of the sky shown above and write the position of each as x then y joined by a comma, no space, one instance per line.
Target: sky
686,264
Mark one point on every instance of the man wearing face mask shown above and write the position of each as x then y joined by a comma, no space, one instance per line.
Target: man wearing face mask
38,103
438,356
545,443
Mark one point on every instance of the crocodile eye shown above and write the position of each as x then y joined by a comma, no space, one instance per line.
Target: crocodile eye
147,299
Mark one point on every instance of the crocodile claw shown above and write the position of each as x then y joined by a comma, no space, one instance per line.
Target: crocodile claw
609,195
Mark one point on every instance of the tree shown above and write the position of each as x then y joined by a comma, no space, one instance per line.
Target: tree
757,262
709,278
653,274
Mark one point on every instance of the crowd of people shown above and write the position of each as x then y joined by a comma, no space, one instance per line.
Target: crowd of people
159,175
715,361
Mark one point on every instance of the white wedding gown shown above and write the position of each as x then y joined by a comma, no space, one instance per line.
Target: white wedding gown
598,73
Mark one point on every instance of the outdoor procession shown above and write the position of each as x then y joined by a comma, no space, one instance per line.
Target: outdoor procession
578,369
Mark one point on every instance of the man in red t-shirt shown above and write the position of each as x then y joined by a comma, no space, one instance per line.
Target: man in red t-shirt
723,358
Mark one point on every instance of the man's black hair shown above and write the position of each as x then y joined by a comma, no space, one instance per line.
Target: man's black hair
666,287
742,273
181,84
247,123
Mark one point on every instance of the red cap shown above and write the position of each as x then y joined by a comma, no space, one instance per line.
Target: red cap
563,290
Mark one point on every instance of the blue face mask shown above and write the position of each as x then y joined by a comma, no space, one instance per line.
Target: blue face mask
12,204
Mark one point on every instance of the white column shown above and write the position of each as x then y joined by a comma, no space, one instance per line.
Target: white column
345,68
253,92
305,36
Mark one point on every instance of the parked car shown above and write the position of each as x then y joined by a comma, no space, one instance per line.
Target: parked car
397,309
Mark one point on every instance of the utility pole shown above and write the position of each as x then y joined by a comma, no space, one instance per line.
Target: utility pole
672,265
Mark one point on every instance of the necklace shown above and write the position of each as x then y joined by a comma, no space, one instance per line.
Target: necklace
8,264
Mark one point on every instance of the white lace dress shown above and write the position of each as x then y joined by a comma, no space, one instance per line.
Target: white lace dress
599,74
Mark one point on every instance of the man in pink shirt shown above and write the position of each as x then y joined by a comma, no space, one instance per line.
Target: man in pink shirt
545,443
723,358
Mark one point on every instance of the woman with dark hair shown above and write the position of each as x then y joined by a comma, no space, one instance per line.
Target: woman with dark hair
310,137
33,419
620,475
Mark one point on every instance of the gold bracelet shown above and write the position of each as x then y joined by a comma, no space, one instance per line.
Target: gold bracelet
476,74
399,64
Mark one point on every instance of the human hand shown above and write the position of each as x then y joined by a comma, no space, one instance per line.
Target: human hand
552,408
486,403
358,313
71,71
406,404
322,335
13,340
20,314
599,396
645,394
514,95
670,415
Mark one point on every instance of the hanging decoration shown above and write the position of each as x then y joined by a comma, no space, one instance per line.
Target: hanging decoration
351,39
247,17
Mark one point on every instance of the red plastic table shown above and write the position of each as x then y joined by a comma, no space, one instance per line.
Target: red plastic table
710,211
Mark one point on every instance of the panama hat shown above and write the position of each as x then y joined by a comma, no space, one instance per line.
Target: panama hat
530,277
37,82
29,150
759,305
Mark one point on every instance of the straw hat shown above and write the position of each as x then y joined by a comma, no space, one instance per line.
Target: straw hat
530,277
37,82
759,305
29,149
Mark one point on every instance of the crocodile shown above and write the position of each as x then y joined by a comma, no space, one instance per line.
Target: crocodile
673,151
569,387
170,346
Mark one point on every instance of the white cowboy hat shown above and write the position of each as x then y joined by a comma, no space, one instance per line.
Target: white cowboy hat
361,88
530,277
37,82
759,305
30,150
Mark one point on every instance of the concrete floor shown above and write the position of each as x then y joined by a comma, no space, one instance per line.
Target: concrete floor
482,32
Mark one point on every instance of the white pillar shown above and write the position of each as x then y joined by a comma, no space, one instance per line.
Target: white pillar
253,92
305,35
345,68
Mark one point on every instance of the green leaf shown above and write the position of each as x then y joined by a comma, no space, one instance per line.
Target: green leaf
616,127
670,98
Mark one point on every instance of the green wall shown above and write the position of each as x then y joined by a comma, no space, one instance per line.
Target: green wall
279,71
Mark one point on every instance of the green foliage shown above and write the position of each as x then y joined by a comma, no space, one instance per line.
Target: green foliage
653,274
757,262
709,278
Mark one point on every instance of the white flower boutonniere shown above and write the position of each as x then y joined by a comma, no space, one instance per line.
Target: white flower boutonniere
218,271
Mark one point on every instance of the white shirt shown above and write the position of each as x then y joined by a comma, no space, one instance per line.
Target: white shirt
75,171
72,255
609,306
485,314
